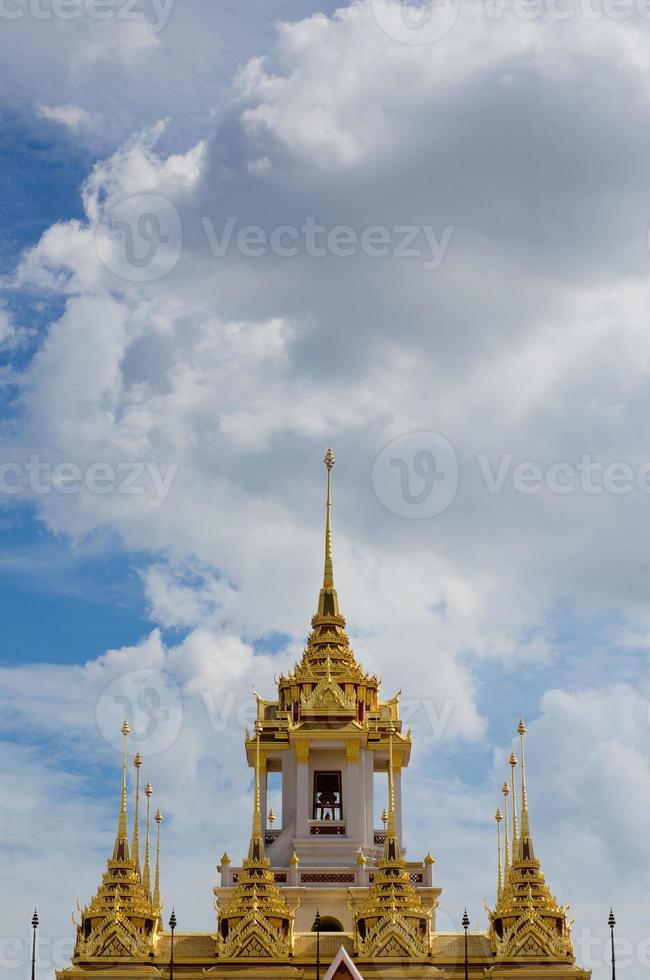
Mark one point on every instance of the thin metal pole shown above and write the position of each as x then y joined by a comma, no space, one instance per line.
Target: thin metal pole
172,926
612,923
466,927
34,928
317,944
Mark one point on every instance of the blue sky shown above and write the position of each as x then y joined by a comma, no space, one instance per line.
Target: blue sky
503,348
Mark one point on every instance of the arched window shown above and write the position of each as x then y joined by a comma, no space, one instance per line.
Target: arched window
328,924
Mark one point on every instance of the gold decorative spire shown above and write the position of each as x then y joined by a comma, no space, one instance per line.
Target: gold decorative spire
156,888
120,921
256,845
498,819
146,875
506,793
515,828
525,825
135,847
527,920
121,849
328,681
328,603
255,920
392,920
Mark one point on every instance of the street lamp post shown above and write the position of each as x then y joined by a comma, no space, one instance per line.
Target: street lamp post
34,928
612,922
466,927
172,926
317,923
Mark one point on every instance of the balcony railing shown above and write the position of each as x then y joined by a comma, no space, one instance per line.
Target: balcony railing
327,828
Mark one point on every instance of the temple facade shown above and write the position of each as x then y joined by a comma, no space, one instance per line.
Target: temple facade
326,891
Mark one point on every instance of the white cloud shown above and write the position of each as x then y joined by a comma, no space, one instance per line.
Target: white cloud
71,116
530,340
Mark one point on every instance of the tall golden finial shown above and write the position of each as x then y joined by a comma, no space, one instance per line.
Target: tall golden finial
135,847
146,874
121,849
391,843
391,781
525,824
328,603
256,846
328,576
156,888
498,819
515,829
506,793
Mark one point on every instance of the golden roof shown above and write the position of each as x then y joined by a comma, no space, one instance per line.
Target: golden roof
255,921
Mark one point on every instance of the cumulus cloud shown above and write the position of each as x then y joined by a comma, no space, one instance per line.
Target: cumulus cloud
527,345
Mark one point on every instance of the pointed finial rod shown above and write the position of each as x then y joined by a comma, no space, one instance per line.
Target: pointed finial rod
257,813
135,847
121,849
146,874
498,819
525,824
34,928
156,888
515,827
391,783
506,793
328,576
611,922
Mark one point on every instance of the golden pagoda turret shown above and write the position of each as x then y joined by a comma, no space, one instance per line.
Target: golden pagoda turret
255,922
121,921
528,924
392,922
328,679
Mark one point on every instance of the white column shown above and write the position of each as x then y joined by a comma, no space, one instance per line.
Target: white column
369,765
354,811
303,795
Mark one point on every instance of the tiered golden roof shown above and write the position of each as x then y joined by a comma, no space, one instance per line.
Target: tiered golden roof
255,922
328,662
121,921
392,922
527,922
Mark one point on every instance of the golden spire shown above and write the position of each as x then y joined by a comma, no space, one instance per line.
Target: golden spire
525,825
156,888
527,915
328,604
256,907
391,844
256,846
135,848
328,575
498,819
146,875
121,849
515,829
506,793
393,911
